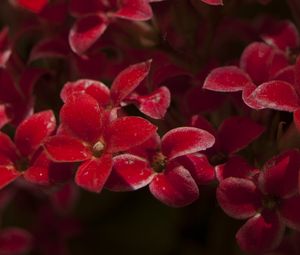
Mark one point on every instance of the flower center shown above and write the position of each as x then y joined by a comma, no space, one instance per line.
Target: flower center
159,162
22,164
98,149
270,202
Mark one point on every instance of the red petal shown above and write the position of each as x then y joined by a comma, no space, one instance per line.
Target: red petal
8,148
31,132
4,118
237,133
239,198
199,121
236,166
297,119
85,123
185,140
5,48
261,233
248,99
37,175
155,105
15,241
199,167
129,173
287,74
127,132
134,10
289,211
277,95
92,174
65,198
7,175
226,79
128,80
213,2
49,48
175,187
256,60
96,89
86,31
280,175
283,36
66,149
32,5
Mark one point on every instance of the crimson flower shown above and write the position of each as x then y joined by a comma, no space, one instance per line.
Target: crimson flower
170,166
93,19
122,92
269,201
24,157
91,137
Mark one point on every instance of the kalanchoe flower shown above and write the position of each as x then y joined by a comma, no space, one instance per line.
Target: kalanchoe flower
92,137
161,164
24,157
96,16
270,201
233,135
154,104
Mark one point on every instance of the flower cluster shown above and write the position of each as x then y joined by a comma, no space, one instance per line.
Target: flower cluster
192,99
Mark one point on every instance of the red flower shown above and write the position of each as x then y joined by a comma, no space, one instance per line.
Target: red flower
270,201
24,157
122,92
169,165
96,16
92,137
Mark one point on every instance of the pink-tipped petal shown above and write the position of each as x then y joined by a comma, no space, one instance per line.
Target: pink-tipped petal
134,10
256,60
289,211
96,89
31,132
127,132
82,115
62,148
175,187
261,233
155,105
199,167
92,174
15,241
239,198
32,5
86,31
185,140
128,80
284,36
129,173
213,2
236,166
277,95
248,99
238,132
280,175
226,79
